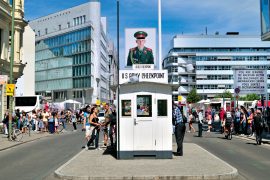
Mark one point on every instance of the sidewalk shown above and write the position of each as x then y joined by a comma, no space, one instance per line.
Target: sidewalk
197,163
5,143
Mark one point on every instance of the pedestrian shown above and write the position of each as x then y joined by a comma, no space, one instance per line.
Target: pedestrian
258,123
267,119
191,119
86,124
107,115
180,129
200,123
74,121
95,128
45,115
209,122
250,129
237,121
112,129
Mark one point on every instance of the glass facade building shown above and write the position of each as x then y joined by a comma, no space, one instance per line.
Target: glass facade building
214,59
71,55
64,62
265,19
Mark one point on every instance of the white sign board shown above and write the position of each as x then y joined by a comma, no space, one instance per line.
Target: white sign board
132,76
250,81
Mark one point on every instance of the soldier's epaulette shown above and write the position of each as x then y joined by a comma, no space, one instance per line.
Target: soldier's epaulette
132,49
148,49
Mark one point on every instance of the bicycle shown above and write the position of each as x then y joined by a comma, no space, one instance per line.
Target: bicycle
16,134
228,132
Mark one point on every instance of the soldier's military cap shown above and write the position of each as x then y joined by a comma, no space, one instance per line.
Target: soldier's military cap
140,35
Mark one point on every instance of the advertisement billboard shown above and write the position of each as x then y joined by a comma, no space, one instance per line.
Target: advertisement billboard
250,81
140,46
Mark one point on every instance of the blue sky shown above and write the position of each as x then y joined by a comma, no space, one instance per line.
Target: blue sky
189,17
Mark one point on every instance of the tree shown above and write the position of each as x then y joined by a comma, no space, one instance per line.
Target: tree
252,97
225,94
193,97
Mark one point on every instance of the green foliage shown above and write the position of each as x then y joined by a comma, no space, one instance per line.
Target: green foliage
225,94
193,97
250,97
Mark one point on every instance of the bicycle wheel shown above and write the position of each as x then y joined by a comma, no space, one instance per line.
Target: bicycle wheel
230,136
18,135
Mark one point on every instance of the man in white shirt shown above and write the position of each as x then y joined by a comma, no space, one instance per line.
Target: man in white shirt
200,123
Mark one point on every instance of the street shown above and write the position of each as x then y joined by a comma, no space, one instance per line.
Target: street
39,159
251,161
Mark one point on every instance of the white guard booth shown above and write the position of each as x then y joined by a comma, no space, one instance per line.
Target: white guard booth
145,121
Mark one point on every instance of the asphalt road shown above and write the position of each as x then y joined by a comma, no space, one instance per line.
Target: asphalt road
251,160
38,159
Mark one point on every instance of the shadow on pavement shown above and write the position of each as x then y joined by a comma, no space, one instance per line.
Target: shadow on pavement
110,151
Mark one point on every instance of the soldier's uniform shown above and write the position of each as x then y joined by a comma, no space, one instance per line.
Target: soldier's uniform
137,56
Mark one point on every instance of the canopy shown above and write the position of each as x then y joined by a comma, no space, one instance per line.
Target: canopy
71,101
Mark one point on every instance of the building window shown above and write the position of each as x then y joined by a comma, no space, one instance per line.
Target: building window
46,31
59,26
38,33
68,24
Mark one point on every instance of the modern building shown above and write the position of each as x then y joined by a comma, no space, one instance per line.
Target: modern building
265,19
72,58
214,58
25,85
113,72
5,44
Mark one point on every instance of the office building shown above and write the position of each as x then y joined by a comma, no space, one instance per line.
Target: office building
214,58
72,59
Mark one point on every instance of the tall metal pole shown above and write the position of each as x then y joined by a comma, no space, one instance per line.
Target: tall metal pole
118,86
159,35
11,70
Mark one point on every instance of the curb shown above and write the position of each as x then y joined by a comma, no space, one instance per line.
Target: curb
265,142
19,143
233,175
57,173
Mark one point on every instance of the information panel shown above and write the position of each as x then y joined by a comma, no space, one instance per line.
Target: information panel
250,81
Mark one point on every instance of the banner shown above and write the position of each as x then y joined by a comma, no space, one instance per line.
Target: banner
251,81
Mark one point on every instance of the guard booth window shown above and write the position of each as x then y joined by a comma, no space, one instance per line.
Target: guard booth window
126,108
162,108
144,106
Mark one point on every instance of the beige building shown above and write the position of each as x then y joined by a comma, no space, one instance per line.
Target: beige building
5,41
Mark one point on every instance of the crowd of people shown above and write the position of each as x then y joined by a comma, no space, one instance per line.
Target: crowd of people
244,121
53,121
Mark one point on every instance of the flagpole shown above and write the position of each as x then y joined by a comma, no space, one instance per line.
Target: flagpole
159,35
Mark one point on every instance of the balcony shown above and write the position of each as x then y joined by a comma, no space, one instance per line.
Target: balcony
17,69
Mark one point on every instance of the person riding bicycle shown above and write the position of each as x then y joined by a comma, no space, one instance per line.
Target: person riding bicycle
228,122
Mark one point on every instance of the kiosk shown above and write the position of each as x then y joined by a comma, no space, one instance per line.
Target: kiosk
145,117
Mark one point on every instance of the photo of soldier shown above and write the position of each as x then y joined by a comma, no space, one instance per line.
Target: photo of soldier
140,54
